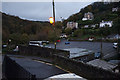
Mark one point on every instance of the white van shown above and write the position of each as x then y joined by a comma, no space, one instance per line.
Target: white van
35,43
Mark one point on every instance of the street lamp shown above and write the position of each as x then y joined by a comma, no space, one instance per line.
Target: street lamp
52,21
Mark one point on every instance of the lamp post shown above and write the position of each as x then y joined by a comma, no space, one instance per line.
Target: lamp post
52,21
9,41
101,46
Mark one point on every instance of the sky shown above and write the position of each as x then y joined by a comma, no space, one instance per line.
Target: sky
41,11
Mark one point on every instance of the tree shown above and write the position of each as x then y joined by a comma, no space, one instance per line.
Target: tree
15,38
116,25
78,33
24,38
68,31
58,25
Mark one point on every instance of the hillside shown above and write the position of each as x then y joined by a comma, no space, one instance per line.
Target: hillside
21,31
100,11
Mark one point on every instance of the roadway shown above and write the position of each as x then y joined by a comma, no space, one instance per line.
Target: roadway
40,69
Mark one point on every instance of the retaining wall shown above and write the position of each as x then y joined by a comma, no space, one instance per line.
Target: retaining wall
79,68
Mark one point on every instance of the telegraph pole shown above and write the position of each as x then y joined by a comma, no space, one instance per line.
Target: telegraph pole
54,22
53,13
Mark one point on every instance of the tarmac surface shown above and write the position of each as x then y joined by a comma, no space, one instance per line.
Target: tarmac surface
107,48
40,69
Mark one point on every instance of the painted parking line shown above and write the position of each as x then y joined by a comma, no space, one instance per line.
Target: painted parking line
54,65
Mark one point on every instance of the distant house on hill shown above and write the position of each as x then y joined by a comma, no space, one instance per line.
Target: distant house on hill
113,36
86,26
106,23
90,26
114,9
88,16
107,2
72,25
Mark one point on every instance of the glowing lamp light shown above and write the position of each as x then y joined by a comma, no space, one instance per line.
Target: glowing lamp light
51,20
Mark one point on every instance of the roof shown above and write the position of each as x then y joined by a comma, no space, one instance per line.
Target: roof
64,76
114,62
77,52
114,36
102,64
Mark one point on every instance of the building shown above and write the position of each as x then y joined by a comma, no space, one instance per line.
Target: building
88,16
72,25
115,9
90,26
106,2
93,26
113,36
106,23
80,54
86,26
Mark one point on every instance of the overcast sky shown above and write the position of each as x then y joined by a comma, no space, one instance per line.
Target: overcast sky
41,11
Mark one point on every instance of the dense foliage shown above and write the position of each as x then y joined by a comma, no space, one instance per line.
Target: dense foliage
22,31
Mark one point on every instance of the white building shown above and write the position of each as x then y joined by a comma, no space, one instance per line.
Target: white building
88,16
84,19
72,25
106,23
86,26
113,36
93,26
114,9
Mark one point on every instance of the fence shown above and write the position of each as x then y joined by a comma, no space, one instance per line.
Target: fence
11,70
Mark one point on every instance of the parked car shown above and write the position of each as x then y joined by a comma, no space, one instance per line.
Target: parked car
63,36
58,40
67,42
115,45
97,55
90,39
16,49
4,46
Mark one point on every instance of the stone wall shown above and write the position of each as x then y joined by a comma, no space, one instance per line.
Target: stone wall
60,58
83,69
41,51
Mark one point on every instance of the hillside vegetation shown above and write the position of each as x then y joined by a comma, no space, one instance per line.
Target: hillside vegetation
101,11
22,31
